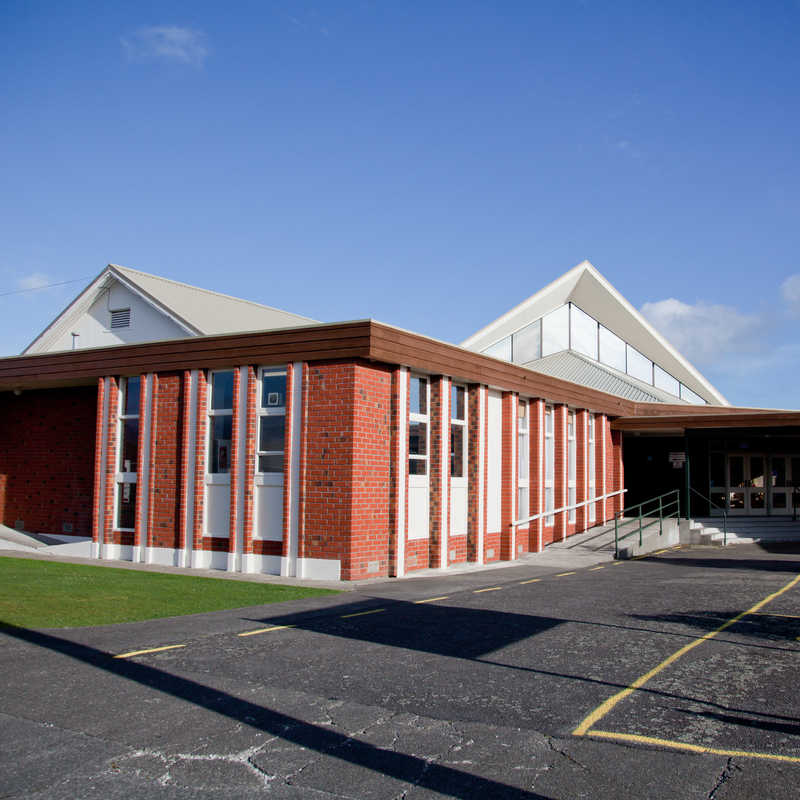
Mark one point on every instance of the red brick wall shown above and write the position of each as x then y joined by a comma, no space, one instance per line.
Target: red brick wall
582,472
508,479
560,481
166,462
473,468
435,474
348,466
47,459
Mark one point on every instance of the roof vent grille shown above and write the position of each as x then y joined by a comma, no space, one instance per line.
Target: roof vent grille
121,318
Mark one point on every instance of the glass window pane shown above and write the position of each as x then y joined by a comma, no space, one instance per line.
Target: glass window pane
690,397
571,460
549,459
417,466
736,500
418,439
757,471
457,394
129,451
501,349
736,466
757,500
779,500
222,390
527,343
219,451
126,507
779,471
717,470
796,472
612,349
271,433
273,391
523,451
457,451
583,332
663,380
272,462
555,331
131,396
548,420
522,503
639,366
418,395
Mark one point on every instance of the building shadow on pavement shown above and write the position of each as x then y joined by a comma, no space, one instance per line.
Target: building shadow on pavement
419,772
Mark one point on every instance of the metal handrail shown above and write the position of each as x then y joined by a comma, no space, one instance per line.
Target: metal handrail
517,522
724,515
663,514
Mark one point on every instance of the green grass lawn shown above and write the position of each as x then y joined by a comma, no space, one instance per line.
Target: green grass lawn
46,594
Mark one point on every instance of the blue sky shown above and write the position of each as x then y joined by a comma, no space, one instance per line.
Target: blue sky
429,165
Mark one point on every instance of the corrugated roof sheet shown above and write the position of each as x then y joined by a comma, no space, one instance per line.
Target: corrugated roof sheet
210,312
573,367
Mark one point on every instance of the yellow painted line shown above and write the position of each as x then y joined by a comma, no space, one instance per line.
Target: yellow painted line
532,580
150,650
265,630
563,574
692,748
617,563
433,599
490,589
363,613
594,568
608,705
659,552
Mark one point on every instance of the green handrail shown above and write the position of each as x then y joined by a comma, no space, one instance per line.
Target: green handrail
724,515
665,506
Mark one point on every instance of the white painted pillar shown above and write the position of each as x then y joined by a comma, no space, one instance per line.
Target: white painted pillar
402,467
289,564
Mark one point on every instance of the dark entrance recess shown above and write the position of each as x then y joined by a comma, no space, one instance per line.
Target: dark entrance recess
648,471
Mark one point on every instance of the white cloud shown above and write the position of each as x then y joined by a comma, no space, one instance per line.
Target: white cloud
167,43
790,291
36,280
703,332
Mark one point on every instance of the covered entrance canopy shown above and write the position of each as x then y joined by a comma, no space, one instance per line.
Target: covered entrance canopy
743,461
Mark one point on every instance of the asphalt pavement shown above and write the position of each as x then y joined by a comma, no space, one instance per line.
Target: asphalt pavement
672,676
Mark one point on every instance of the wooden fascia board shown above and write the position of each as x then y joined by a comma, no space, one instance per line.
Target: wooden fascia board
734,419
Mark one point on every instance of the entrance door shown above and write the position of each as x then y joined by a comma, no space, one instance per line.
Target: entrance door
753,483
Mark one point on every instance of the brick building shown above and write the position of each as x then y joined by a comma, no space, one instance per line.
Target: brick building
347,450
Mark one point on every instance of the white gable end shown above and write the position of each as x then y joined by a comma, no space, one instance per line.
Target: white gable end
143,323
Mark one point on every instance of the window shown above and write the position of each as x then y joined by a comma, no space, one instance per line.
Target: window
220,422
523,461
549,463
271,420
418,426
121,318
501,349
127,467
639,366
690,397
583,332
555,331
458,431
612,349
527,343
663,380
572,463
591,455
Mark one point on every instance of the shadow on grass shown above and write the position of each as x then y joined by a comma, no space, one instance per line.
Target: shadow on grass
439,778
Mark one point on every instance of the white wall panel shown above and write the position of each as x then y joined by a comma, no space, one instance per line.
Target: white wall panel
494,484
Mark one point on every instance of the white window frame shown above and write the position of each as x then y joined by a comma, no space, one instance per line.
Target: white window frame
269,478
549,464
124,478
523,449
591,470
420,479
217,477
459,423
572,464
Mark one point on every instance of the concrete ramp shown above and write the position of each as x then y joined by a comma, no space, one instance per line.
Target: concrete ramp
599,540
25,542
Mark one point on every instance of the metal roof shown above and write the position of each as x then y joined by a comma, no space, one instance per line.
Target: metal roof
571,366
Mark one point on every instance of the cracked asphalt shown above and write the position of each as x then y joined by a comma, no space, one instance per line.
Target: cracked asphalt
466,686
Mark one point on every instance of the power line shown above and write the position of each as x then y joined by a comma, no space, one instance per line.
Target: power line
46,286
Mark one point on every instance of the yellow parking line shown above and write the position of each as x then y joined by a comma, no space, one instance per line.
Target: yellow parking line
150,650
659,552
692,748
266,630
617,563
532,580
563,574
363,613
602,566
608,705
433,599
490,589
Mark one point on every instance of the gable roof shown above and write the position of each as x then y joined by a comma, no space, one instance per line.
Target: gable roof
584,286
199,312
